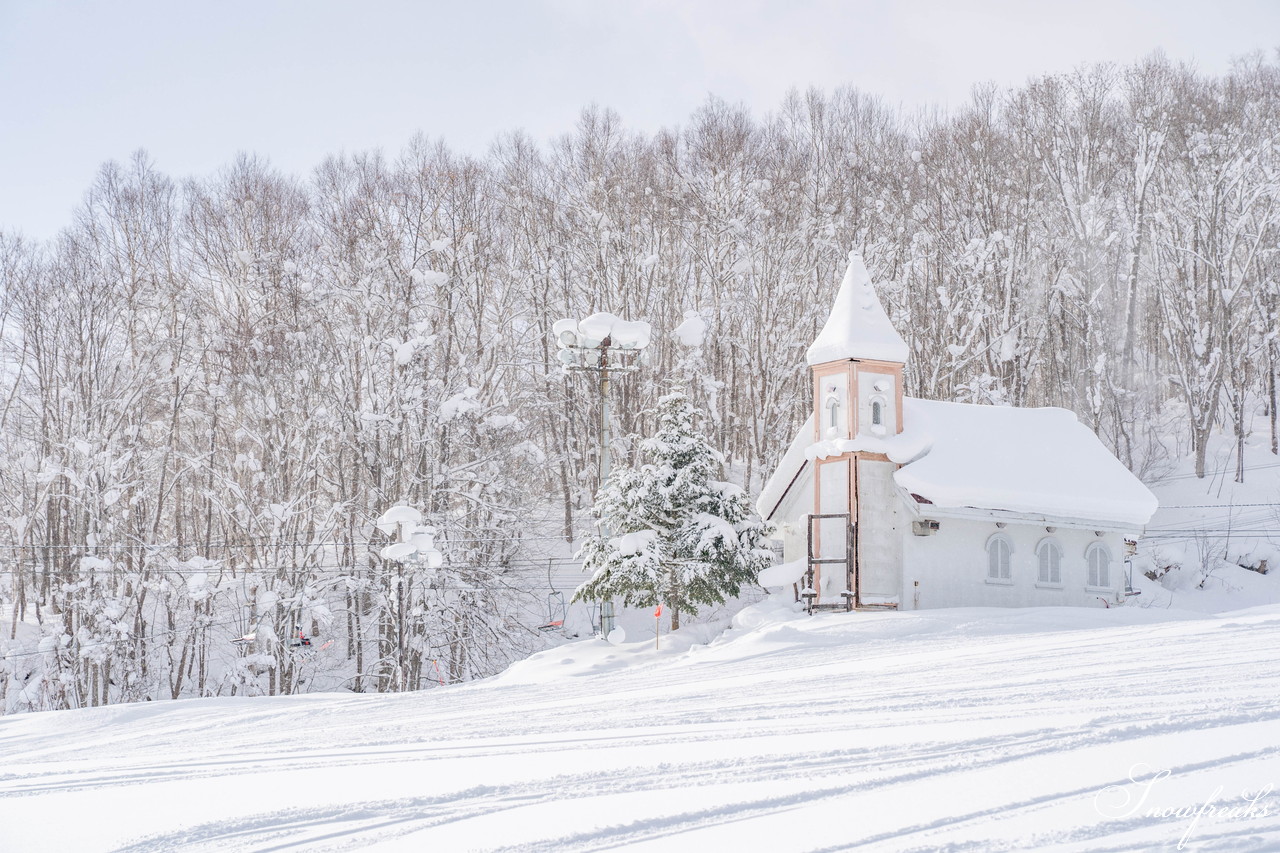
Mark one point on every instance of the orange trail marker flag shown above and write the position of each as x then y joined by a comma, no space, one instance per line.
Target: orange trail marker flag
657,627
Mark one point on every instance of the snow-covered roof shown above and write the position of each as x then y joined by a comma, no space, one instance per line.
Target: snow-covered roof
858,326
793,461
1039,462
1036,461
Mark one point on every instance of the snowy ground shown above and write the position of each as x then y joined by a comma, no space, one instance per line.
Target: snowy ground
963,729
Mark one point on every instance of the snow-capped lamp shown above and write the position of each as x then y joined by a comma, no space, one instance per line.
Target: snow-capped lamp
415,541
589,344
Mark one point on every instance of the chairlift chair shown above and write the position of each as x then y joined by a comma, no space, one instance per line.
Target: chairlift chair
1129,591
556,610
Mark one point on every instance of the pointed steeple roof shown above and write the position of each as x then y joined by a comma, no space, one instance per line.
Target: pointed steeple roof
858,326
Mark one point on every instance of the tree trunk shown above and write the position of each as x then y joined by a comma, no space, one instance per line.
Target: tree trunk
567,493
1239,408
1131,300
1271,394
1200,440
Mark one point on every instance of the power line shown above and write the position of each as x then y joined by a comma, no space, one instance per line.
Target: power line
103,643
1232,534
1216,506
250,543
35,568
240,622
1211,474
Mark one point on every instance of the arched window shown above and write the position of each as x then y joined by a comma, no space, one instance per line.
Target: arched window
877,413
999,558
1049,558
1099,560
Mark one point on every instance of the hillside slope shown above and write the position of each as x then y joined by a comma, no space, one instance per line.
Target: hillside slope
977,729
1212,537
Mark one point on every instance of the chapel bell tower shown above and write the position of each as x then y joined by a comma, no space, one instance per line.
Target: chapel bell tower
856,365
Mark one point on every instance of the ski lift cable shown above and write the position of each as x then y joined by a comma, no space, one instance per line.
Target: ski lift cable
252,542
103,643
373,551
1217,506
206,625
1215,473
1242,521
148,637
517,564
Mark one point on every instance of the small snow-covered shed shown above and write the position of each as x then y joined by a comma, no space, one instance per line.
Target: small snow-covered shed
887,501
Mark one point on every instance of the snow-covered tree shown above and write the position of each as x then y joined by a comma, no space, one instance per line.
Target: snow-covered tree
210,389
668,532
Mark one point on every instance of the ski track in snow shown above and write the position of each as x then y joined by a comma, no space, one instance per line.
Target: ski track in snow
957,730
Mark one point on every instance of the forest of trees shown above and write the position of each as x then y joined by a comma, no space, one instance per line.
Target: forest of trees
212,388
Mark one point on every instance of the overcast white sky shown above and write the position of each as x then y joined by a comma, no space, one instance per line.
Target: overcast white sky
195,82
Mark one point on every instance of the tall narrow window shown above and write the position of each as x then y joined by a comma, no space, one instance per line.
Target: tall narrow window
834,405
999,558
877,415
1049,556
1099,560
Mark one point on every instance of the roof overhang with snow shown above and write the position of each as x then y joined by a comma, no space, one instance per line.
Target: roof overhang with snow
787,474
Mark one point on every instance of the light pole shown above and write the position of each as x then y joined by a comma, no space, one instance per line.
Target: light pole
602,344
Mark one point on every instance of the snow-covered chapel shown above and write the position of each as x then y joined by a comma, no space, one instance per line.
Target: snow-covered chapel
888,501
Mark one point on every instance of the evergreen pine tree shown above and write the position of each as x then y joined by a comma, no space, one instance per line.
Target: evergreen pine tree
668,532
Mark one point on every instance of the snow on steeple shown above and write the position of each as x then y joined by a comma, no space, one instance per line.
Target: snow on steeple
858,326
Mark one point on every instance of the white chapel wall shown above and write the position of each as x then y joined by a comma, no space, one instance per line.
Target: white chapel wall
951,566
873,388
880,529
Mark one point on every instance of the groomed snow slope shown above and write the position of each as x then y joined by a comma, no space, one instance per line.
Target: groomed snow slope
964,729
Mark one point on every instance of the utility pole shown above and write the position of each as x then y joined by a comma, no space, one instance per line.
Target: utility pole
400,675
588,345
607,618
